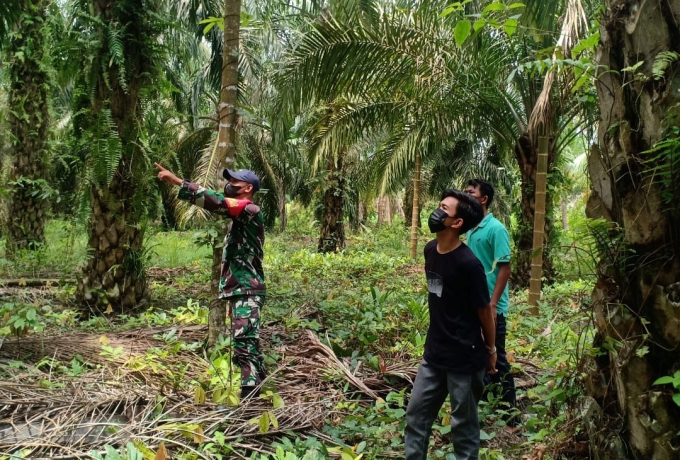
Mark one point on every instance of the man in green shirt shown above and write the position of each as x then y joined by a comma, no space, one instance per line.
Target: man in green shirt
490,242
242,276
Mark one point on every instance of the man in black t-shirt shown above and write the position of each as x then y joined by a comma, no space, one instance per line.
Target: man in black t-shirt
460,344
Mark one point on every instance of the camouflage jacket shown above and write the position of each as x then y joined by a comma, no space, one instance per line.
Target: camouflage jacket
242,257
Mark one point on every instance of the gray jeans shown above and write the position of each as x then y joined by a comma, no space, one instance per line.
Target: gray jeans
429,392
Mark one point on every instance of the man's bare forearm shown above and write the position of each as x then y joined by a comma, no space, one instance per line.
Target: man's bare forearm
501,281
488,326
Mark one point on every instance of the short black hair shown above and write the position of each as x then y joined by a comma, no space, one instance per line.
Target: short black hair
485,188
468,209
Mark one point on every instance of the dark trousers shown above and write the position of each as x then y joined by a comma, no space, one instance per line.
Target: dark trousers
504,377
430,389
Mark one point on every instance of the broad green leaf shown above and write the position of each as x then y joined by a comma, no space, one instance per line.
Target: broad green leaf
264,423
207,28
346,456
510,27
31,314
199,395
516,5
462,31
494,7
449,10
676,398
278,402
484,436
663,380
147,453
274,421
232,399
479,23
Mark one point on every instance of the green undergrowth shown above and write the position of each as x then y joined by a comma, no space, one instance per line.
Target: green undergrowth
368,302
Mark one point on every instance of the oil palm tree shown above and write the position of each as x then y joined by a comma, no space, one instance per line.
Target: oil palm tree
634,173
23,32
405,71
120,54
400,75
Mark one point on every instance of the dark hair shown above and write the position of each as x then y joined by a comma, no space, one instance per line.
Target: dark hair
468,209
485,188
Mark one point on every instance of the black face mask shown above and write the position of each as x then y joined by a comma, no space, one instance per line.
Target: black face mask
232,191
436,220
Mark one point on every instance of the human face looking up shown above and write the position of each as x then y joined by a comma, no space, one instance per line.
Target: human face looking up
441,219
476,192
237,188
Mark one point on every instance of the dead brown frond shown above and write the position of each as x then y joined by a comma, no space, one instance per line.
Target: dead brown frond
574,26
116,401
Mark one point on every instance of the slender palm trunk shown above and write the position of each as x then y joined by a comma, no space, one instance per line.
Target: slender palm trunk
526,154
539,225
332,235
408,206
226,149
415,211
28,120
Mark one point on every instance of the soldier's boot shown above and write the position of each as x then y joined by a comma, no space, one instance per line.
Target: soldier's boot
249,391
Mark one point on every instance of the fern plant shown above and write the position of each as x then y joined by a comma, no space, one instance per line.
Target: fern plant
661,63
663,162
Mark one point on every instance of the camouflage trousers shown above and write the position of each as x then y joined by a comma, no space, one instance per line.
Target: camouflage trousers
245,331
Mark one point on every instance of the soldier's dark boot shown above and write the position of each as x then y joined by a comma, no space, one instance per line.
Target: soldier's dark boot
248,390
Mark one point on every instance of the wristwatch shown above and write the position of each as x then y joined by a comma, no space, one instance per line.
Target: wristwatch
492,352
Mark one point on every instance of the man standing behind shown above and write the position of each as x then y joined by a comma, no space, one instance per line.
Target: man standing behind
456,353
242,277
490,242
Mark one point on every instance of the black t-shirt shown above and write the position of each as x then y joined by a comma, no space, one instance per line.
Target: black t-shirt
457,285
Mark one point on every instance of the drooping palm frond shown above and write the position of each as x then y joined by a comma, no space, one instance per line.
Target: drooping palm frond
353,59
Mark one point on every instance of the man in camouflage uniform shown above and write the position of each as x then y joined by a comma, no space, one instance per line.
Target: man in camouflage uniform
242,277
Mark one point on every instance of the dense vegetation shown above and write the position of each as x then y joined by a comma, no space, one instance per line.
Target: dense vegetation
356,114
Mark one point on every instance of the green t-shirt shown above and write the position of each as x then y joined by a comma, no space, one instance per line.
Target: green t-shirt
490,242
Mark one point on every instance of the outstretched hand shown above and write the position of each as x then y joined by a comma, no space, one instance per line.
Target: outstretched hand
167,176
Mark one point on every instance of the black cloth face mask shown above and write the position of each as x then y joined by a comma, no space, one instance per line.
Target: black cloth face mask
436,220
232,191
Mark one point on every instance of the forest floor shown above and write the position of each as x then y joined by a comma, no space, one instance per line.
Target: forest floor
343,335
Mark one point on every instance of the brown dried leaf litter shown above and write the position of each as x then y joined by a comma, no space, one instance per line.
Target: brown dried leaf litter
113,404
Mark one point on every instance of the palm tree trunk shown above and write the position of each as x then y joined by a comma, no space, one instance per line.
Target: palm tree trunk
526,154
399,204
408,205
115,274
384,210
283,213
226,150
637,292
28,120
415,210
332,226
539,225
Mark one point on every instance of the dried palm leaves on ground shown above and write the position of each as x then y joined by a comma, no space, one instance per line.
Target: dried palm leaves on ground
122,398
145,387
